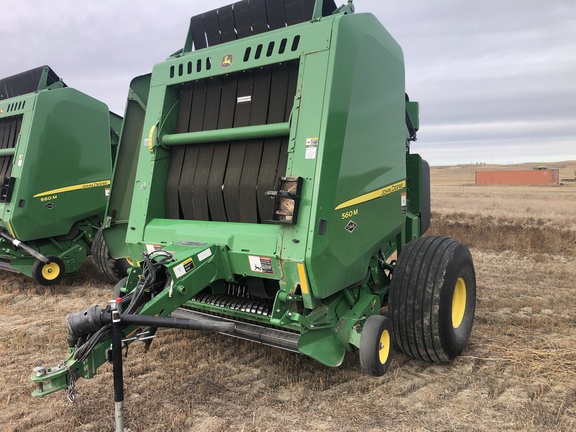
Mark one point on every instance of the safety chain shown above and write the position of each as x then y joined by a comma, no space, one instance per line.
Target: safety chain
71,391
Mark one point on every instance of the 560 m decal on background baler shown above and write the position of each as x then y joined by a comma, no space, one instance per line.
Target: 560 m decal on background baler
273,186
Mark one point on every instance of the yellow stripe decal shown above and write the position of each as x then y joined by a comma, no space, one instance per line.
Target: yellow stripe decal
373,195
75,187
303,280
11,230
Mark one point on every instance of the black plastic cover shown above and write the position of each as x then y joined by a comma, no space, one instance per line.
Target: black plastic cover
26,82
249,17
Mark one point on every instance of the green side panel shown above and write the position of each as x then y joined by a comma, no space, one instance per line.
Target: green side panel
115,130
360,181
63,164
118,209
413,109
419,213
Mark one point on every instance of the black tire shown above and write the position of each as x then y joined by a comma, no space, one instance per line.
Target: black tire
48,274
112,270
376,345
432,299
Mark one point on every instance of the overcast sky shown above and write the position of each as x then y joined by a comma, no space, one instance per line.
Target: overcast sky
496,79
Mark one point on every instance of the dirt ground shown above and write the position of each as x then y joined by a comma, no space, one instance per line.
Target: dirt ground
518,372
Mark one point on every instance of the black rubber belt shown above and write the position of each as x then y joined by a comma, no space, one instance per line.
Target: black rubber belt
328,7
242,19
4,135
18,121
308,7
9,130
272,146
177,156
293,11
237,150
258,16
185,189
226,23
221,150
206,150
4,139
198,33
245,18
292,83
275,12
253,156
211,28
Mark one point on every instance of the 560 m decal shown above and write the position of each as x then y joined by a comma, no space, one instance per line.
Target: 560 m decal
378,193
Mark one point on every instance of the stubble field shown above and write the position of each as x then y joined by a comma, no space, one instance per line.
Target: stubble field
518,372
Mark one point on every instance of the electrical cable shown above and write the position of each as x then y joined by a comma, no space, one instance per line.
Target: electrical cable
145,284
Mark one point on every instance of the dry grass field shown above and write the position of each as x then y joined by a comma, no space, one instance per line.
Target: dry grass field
518,372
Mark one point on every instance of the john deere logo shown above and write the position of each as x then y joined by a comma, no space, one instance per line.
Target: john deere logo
227,61
351,226
1,110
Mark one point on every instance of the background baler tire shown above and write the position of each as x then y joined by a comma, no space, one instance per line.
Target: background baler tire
376,345
113,270
432,299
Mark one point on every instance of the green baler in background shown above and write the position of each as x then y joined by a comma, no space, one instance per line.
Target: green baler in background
274,185
56,147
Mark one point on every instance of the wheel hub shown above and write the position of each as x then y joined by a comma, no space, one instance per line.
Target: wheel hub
459,302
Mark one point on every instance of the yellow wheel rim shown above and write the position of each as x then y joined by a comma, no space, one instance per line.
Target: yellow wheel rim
50,271
459,302
384,349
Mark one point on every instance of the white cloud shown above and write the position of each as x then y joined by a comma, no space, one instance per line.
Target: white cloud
485,70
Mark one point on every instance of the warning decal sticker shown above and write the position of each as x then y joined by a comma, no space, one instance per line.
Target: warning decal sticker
311,148
403,202
260,264
184,267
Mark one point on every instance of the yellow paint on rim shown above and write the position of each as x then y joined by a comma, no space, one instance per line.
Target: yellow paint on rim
50,271
151,139
303,280
458,302
384,348
378,193
89,185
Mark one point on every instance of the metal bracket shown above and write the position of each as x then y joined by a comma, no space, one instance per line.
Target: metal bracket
286,199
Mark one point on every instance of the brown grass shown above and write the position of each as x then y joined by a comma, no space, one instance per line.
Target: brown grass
518,372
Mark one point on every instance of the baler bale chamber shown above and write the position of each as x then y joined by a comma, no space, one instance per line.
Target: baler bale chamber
274,185
56,146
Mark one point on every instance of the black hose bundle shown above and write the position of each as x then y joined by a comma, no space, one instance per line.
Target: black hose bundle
88,328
